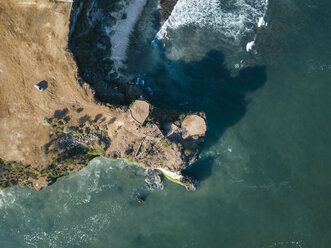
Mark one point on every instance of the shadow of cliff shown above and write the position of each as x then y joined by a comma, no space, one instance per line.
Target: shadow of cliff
201,169
91,47
208,86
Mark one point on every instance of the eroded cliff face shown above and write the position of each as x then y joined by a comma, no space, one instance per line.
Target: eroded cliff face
48,134
95,25
166,7
90,43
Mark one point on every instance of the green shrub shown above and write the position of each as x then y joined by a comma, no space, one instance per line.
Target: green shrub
99,147
64,121
182,117
75,130
111,105
162,161
47,121
165,144
67,130
187,152
45,149
103,127
86,131
203,115
68,161
103,145
150,119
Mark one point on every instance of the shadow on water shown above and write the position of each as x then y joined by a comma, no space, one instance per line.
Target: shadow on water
201,169
206,86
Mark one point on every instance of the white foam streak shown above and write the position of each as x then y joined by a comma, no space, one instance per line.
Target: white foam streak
232,20
123,28
250,45
229,23
7,198
261,22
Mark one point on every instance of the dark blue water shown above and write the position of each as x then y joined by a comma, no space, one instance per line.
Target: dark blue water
264,167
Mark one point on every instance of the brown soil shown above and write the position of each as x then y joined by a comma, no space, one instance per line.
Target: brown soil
140,111
33,42
33,47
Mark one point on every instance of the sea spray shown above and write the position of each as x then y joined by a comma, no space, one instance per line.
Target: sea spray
122,30
230,22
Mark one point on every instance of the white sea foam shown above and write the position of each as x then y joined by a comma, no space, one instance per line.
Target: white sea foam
123,29
261,22
7,198
230,21
250,45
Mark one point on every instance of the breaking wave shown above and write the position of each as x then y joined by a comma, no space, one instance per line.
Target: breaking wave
229,20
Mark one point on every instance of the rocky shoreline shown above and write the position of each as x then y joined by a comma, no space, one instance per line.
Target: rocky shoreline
100,62
71,125
166,7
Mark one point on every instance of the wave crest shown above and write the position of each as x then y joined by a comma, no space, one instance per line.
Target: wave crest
230,20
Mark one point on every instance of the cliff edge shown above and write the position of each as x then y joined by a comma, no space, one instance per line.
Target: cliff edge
52,125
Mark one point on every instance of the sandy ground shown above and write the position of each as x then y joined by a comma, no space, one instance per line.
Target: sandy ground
33,41
33,48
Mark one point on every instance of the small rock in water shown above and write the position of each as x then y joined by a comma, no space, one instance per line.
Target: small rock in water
139,199
250,45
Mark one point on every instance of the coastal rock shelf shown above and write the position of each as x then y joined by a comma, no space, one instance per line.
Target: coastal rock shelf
48,134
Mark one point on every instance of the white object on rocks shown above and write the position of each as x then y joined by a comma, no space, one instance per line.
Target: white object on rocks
39,87
250,45
261,22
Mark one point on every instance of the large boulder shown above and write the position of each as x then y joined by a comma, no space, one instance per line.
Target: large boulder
140,110
193,126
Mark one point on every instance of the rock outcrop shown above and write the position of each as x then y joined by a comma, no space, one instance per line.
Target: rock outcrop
166,7
139,111
48,134
193,126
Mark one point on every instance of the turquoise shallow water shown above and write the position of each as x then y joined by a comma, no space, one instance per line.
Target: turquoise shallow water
264,168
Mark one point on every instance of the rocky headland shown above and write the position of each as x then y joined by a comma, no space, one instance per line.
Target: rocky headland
49,133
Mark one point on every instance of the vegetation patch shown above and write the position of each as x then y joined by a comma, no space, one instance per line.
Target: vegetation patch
14,173
173,179
187,152
165,144
47,121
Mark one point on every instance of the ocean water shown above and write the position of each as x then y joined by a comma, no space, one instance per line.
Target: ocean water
264,168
